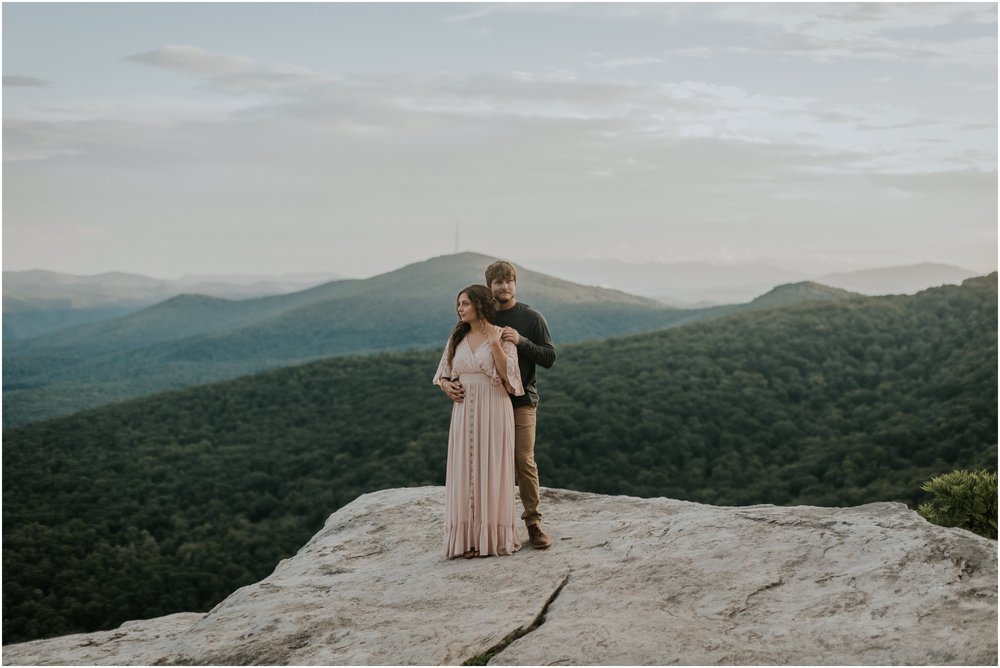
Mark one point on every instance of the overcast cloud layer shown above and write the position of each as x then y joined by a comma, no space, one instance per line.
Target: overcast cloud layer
165,139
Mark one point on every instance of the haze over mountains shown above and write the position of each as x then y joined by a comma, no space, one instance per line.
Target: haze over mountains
699,284
41,302
191,339
38,302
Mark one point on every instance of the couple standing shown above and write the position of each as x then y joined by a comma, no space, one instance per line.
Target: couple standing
488,370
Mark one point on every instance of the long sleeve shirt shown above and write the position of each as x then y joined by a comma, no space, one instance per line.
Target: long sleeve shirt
534,348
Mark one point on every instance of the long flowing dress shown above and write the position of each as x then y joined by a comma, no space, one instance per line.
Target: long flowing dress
479,482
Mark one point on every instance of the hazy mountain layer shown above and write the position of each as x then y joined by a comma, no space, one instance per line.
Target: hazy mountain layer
170,502
41,302
110,288
898,280
24,319
700,284
38,302
195,339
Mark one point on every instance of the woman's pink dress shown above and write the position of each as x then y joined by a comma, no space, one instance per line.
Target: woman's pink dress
479,484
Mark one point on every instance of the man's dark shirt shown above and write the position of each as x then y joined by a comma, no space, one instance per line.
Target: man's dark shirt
534,348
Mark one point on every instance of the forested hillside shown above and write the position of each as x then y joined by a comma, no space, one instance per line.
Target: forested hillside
193,339
171,502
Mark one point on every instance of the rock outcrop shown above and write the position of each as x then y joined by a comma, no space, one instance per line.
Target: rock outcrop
628,581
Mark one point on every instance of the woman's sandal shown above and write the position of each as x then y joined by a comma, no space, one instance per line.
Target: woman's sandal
471,553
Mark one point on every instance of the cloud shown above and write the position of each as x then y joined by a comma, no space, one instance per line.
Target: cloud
618,63
15,80
892,31
549,105
34,140
487,10
231,74
959,180
821,32
553,112
855,19
662,12
196,61
30,141
975,51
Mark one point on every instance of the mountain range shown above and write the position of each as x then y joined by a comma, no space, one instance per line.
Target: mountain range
39,302
192,339
702,284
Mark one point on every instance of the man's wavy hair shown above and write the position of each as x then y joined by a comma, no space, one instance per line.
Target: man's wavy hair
486,309
499,270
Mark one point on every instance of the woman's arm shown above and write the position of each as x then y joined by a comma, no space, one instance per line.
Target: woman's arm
499,355
450,386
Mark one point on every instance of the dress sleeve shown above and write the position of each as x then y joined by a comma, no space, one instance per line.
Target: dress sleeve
444,369
512,383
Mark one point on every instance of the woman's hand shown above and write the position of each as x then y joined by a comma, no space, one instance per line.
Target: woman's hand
493,335
453,389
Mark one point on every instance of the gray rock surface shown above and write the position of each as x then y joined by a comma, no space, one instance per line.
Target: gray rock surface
628,581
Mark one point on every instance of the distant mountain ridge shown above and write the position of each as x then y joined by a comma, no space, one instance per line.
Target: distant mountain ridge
194,339
39,302
794,293
194,313
898,280
191,339
692,284
97,289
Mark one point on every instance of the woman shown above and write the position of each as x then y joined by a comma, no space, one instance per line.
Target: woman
479,485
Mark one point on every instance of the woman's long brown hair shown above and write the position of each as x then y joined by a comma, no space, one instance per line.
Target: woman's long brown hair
486,309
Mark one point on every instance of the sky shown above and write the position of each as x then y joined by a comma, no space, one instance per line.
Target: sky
169,139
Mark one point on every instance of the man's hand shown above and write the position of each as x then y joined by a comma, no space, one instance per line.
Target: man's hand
510,334
454,390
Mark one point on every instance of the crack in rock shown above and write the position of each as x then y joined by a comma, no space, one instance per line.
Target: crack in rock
746,603
484,658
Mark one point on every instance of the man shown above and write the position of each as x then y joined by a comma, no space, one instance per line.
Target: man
525,328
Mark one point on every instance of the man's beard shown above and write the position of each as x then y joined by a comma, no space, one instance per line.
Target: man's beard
502,300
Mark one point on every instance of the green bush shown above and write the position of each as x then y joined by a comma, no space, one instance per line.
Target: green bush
965,499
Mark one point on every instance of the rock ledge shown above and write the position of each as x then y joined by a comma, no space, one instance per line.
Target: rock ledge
628,581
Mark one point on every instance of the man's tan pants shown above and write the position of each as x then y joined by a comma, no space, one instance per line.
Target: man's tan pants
524,463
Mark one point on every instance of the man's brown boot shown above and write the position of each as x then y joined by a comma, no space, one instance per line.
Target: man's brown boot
539,539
